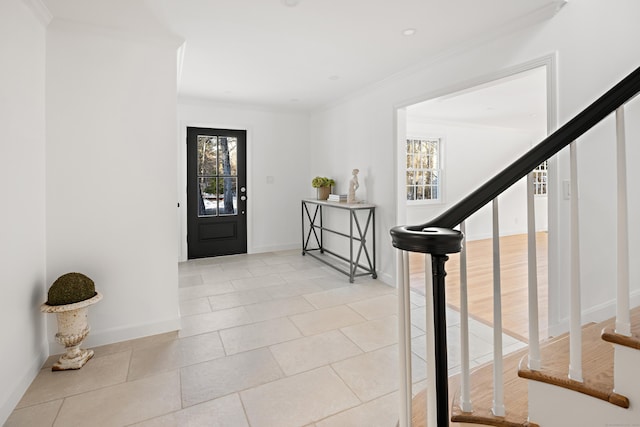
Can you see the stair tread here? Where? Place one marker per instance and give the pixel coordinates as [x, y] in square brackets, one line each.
[516, 401]
[610, 335]
[515, 396]
[597, 365]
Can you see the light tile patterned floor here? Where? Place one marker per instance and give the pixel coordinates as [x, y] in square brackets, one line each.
[273, 339]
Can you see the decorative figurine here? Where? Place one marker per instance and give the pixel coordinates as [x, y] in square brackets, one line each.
[353, 186]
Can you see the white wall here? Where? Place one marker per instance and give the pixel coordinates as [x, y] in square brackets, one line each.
[111, 186]
[22, 217]
[277, 169]
[362, 127]
[471, 155]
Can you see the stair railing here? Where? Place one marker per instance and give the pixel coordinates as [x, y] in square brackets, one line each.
[438, 238]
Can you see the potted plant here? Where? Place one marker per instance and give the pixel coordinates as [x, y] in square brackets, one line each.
[69, 298]
[323, 185]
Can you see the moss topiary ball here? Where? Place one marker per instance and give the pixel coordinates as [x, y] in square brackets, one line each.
[70, 288]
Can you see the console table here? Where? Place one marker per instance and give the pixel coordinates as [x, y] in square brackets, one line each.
[313, 241]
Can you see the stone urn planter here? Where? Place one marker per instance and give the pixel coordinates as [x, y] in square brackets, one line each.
[69, 298]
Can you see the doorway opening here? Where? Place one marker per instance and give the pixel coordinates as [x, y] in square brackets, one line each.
[480, 129]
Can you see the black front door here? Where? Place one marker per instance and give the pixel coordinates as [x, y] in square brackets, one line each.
[216, 192]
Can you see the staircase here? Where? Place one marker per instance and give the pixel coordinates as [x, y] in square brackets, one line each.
[612, 407]
[586, 377]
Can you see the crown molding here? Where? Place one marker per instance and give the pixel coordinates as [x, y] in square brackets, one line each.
[40, 11]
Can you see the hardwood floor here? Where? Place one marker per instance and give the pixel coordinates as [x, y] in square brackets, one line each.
[513, 272]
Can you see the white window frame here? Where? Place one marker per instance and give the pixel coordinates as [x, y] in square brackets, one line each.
[541, 180]
[440, 170]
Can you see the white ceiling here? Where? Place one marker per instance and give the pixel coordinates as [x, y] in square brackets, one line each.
[262, 52]
[518, 102]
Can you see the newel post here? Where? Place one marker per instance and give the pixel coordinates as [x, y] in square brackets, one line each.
[438, 242]
[440, 334]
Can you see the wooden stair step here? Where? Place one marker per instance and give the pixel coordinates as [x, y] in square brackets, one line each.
[597, 366]
[516, 398]
[610, 335]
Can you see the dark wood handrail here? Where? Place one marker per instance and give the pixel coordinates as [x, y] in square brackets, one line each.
[407, 237]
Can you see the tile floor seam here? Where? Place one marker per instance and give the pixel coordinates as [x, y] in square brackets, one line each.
[349, 338]
[310, 302]
[64, 398]
[58, 412]
[210, 306]
[312, 368]
[129, 366]
[294, 323]
[349, 409]
[330, 365]
[244, 409]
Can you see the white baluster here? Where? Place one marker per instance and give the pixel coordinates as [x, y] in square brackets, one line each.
[430, 327]
[404, 338]
[623, 317]
[534, 333]
[465, 381]
[575, 326]
[498, 383]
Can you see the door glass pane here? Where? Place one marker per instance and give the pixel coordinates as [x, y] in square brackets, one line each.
[207, 196]
[207, 155]
[228, 200]
[228, 160]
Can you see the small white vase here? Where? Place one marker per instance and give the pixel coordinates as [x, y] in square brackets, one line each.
[73, 328]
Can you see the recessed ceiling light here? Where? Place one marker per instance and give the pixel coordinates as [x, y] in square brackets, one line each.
[290, 3]
[334, 77]
[409, 32]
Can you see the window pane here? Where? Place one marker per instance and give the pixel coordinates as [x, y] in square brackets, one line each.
[207, 155]
[410, 178]
[227, 201]
[228, 160]
[411, 192]
[418, 178]
[207, 197]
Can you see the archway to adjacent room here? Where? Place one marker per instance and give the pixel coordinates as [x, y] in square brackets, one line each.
[450, 142]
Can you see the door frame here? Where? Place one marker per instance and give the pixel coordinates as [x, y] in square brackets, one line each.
[550, 62]
[182, 180]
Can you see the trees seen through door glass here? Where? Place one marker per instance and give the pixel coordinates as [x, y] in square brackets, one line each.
[217, 175]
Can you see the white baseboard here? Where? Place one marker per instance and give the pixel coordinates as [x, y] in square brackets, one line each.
[110, 336]
[275, 248]
[597, 313]
[21, 387]
[387, 279]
